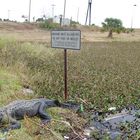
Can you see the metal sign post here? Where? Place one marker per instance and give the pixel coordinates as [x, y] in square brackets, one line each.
[65, 74]
[66, 39]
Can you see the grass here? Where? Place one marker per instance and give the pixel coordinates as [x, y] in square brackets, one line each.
[27, 32]
[11, 89]
[15, 74]
[102, 74]
[55, 130]
[107, 72]
[9, 85]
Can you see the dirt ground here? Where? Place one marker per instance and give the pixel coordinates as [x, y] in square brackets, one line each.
[31, 32]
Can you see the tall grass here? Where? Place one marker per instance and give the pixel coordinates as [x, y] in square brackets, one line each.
[103, 74]
[24, 65]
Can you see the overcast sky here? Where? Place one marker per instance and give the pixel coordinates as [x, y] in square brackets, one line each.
[122, 9]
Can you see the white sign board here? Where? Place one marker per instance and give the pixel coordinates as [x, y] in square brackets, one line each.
[66, 39]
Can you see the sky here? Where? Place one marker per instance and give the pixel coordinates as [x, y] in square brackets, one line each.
[101, 9]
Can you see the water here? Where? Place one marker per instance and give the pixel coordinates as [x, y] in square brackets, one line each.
[120, 123]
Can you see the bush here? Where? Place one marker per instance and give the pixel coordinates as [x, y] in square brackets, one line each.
[49, 25]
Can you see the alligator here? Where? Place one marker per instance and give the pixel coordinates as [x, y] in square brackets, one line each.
[16, 110]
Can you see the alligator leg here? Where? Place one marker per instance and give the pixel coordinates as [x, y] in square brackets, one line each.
[14, 124]
[45, 118]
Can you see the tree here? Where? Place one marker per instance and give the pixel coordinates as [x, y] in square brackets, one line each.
[112, 25]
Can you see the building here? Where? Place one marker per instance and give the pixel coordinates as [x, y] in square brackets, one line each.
[66, 21]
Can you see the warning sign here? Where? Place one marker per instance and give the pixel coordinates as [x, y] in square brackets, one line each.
[66, 39]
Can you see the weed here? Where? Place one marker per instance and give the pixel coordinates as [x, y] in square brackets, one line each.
[102, 74]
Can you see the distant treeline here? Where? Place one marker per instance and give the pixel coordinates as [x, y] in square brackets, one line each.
[7, 20]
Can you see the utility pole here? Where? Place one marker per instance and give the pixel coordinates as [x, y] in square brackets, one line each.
[9, 14]
[53, 10]
[132, 18]
[29, 17]
[78, 15]
[88, 12]
[64, 12]
[61, 19]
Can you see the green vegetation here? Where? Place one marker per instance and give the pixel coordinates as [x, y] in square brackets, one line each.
[48, 25]
[112, 25]
[18, 70]
[101, 75]
[107, 71]
[9, 85]
[11, 89]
